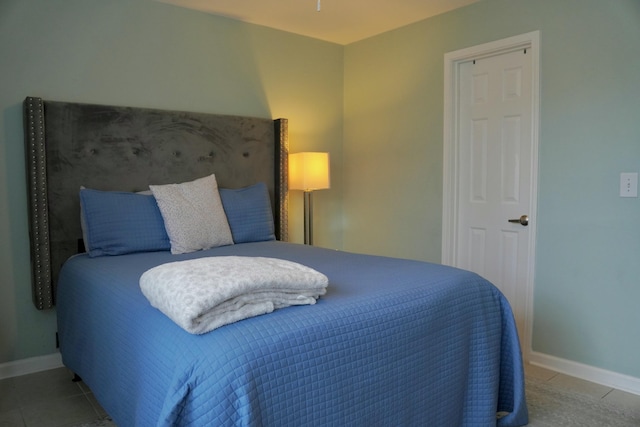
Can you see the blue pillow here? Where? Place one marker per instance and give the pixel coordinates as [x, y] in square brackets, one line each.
[117, 223]
[249, 213]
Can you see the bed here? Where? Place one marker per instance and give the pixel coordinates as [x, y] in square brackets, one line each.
[391, 342]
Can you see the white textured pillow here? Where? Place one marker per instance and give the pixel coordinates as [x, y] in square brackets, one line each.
[193, 215]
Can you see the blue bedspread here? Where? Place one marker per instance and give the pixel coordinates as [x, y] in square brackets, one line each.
[392, 343]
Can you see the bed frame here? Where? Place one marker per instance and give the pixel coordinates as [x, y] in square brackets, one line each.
[69, 145]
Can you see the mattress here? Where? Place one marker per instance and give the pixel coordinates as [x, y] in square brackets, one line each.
[392, 342]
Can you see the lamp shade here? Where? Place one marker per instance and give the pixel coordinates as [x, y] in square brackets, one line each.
[309, 171]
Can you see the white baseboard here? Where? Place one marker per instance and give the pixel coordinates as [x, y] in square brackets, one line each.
[30, 365]
[590, 373]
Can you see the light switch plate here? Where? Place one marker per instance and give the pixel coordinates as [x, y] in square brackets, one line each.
[629, 184]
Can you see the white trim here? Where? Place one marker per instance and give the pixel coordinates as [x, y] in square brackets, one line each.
[452, 61]
[30, 365]
[590, 373]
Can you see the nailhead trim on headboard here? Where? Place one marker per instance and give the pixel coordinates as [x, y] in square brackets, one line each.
[38, 209]
[282, 196]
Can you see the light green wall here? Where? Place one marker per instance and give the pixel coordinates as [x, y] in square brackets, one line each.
[587, 284]
[149, 54]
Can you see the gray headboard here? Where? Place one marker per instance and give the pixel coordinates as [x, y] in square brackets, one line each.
[69, 145]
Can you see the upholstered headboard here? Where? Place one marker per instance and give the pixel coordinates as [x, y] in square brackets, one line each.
[69, 145]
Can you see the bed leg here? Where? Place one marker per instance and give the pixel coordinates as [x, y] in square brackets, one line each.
[76, 378]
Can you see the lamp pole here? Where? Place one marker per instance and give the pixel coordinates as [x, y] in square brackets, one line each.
[308, 217]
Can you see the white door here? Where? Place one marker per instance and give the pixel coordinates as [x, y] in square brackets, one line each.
[496, 160]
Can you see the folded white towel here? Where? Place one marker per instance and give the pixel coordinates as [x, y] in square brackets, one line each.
[205, 293]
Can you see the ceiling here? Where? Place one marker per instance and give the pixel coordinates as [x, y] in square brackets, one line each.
[337, 21]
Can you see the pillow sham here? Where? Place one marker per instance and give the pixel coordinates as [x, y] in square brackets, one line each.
[118, 223]
[249, 213]
[193, 215]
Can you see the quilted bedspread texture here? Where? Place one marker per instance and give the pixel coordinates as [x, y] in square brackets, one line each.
[392, 343]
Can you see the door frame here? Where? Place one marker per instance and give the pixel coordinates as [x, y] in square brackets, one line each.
[450, 190]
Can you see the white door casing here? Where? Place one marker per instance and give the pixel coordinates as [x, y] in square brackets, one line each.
[490, 167]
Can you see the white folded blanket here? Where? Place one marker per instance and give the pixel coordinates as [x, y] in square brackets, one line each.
[205, 293]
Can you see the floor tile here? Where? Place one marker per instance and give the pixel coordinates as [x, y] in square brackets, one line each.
[59, 412]
[85, 389]
[8, 398]
[96, 406]
[629, 401]
[538, 372]
[42, 386]
[581, 386]
[11, 418]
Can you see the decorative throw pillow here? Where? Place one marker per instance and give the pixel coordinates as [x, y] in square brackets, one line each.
[117, 223]
[249, 213]
[193, 215]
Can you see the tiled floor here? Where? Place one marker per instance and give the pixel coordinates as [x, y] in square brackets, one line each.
[576, 385]
[51, 399]
[47, 399]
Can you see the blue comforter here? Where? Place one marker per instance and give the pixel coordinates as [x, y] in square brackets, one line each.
[392, 343]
